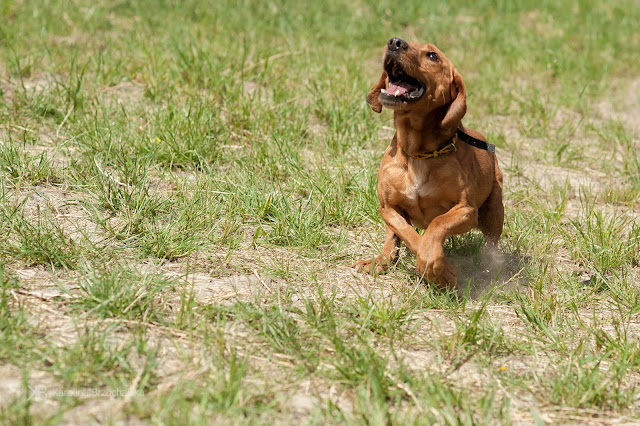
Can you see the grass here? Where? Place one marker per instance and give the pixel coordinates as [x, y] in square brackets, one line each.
[183, 186]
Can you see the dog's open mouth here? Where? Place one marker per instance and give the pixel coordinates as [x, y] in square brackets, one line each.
[402, 88]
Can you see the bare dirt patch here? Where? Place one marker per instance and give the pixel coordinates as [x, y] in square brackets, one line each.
[126, 93]
[34, 84]
[623, 105]
[65, 206]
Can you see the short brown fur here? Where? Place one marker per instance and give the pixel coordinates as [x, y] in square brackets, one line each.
[447, 195]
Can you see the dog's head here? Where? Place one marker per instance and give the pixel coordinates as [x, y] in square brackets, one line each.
[418, 77]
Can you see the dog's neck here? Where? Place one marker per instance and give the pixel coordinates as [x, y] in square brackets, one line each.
[421, 134]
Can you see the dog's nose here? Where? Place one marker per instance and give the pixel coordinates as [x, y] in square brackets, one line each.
[396, 43]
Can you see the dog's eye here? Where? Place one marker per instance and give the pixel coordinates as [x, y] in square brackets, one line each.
[433, 56]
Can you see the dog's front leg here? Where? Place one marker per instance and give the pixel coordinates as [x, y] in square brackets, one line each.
[401, 227]
[387, 256]
[396, 228]
[430, 258]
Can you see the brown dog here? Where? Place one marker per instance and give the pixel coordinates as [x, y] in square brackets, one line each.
[429, 177]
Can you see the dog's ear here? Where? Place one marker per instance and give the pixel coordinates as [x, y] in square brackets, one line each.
[458, 106]
[373, 98]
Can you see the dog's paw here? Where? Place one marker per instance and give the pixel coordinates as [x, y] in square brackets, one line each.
[440, 271]
[371, 266]
[445, 274]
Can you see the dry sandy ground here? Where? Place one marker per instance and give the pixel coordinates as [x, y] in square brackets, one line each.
[45, 293]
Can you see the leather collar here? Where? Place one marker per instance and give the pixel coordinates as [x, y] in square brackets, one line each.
[450, 146]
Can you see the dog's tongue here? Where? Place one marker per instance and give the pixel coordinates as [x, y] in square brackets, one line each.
[399, 88]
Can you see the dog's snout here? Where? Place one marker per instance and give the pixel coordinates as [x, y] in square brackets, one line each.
[396, 44]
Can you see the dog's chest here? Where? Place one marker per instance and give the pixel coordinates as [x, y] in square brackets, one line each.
[417, 186]
[424, 194]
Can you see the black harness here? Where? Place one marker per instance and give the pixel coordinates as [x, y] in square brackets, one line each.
[470, 140]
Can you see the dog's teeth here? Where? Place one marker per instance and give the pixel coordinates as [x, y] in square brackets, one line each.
[397, 92]
[384, 91]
